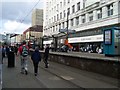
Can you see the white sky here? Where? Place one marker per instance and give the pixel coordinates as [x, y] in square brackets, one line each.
[12, 12]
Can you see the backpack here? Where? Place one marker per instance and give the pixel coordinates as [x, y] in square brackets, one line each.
[24, 51]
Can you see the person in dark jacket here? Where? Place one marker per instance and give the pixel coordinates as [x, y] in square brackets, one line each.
[36, 58]
[7, 50]
[46, 54]
[3, 53]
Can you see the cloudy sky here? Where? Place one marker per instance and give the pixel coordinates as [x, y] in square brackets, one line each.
[15, 15]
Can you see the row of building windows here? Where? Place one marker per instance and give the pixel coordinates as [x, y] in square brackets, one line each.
[62, 14]
[99, 14]
[76, 21]
[59, 5]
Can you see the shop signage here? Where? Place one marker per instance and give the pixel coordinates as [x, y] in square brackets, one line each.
[95, 38]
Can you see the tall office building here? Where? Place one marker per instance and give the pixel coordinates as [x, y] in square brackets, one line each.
[37, 17]
[86, 17]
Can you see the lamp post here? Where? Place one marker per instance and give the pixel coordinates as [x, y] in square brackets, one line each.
[67, 25]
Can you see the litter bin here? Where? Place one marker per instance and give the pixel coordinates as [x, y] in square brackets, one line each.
[11, 59]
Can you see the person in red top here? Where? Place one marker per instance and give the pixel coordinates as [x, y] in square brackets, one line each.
[23, 51]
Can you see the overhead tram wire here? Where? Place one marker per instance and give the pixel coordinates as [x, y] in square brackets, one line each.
[27, 14]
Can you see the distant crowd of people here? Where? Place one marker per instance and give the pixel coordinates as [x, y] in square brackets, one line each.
[88, 48]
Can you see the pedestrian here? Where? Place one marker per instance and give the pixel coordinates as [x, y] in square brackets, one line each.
[23, 52]
[7, 50]
[16, 49]
[36, 58]
[0, 54]
[3, 53]
[46, 54]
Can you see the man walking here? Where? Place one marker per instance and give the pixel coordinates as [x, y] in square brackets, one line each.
[23, 52]
[46, 54]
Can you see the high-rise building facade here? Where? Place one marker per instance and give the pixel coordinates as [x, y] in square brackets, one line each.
[86, 17]
[37, 17]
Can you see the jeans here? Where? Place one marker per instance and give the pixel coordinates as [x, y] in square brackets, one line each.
[24, 65]
[35, 66]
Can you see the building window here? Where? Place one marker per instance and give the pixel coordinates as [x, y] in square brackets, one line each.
[56, 28]
[73, 8]
[63, 25]
[110, 9]
[99, 13]
[67, 23]
[59, 26]
[68, 13]
[68, 1]
[77, 20]
[57, 6]
[53, 29]
[54, 18]
[83, 18]
[57, 16]
[55, 9]
[78, 6]
[60, 4]
[90, 16]
[64, 13]
[64, 2]
[72, 22]
[61, 15]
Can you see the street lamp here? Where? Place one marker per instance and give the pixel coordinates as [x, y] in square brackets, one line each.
[67, 25]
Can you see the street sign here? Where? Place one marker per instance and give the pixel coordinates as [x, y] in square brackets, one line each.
[62, 30]
[71, 31]
[65, 30]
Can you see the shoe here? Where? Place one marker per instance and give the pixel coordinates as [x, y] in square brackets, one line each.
[26, 72]
[35, 74]
[46, 66]
[22, 72]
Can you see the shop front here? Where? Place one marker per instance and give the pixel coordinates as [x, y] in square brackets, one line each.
[87, 43]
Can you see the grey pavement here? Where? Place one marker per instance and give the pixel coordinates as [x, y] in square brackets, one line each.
[82, 78]
[56, 76]
[12, 78]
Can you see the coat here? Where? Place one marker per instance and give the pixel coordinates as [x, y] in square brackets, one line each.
[36, 56]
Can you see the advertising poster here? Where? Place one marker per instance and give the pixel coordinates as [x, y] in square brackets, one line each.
[108, 37]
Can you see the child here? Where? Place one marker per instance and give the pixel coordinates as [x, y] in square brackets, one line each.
[36, 58]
